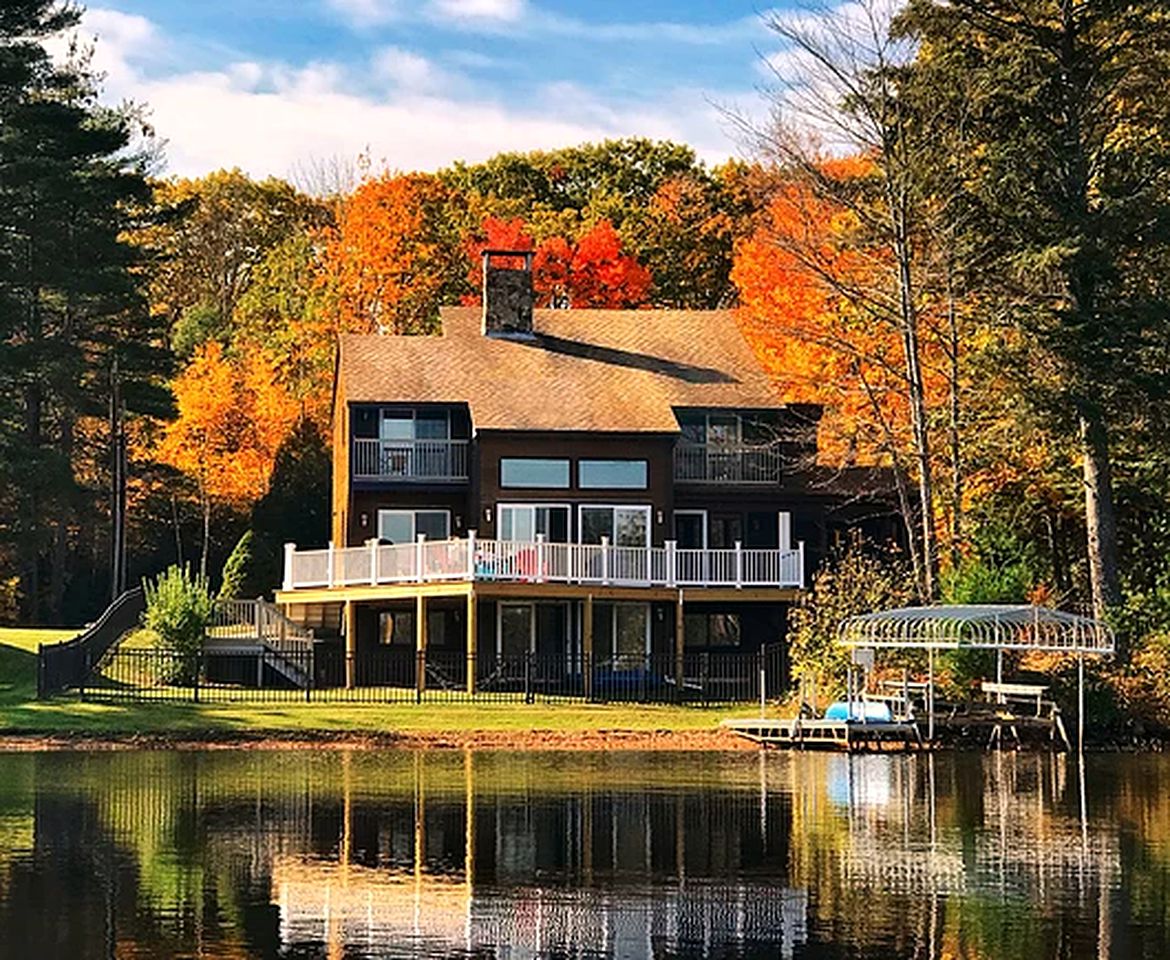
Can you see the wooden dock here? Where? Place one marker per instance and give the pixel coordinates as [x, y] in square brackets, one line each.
[800, 733]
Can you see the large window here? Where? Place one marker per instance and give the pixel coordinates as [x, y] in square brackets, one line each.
[702, 630]
[534, 472]
[415, 425]
[621, 635]
[523, 521]
[404, 526]
[612, 474]
[624, 526]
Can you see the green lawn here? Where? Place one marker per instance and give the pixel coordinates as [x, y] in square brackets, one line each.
[21, 712]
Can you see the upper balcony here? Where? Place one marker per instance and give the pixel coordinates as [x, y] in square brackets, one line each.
[727, 463]
[410, 461]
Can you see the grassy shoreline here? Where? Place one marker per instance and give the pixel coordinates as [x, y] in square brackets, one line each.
[68, 720]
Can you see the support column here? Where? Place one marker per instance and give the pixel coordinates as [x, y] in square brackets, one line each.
[679, 639]
[350, 644]
[587, 646]
[472, 639]
[420, 643]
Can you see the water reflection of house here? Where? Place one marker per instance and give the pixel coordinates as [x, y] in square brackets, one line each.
[622, 872]
[351, 905]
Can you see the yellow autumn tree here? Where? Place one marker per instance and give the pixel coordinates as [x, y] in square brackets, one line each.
[233, 415]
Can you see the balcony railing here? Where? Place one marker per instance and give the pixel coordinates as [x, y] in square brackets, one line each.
[726, 463]
[410, 461]
[541, 561]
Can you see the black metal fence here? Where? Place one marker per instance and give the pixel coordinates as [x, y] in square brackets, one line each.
[61, 666]
[396, 675]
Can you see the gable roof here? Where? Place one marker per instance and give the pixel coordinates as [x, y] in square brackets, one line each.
[589, 370]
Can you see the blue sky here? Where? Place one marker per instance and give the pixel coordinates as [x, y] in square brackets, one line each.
[274, 86]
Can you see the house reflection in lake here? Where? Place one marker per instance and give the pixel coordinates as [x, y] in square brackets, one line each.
[601, 870]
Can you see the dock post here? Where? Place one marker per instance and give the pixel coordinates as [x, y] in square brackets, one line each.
[472, 640]
[930, 695]
[587, 645]
[763, 685]
[350, 611]
[1081, 703]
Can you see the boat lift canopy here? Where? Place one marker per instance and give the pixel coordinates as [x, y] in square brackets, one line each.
[996, 627]
[978, 627]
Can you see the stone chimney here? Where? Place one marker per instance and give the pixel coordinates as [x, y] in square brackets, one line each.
[507, 293]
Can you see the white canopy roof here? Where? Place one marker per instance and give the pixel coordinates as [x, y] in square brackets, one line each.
[978, 626]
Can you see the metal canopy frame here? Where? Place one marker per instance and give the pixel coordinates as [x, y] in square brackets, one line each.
[996, 627]
[979, 627]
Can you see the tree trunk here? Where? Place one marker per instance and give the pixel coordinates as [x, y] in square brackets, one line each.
[1100, 523]
[206, 534]
[916, 390]
[956, 531]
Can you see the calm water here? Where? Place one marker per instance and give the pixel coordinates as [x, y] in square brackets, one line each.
[332, 854]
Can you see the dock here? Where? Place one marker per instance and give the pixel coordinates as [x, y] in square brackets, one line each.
[802, 733]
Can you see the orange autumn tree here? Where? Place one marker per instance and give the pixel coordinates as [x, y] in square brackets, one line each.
[394, 256]
[232, 418]
[590, 272]
[818, 308]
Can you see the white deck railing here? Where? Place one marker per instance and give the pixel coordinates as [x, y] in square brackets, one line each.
[541, 561]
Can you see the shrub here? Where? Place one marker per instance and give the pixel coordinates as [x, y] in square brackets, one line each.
[178, 609]
[857, 581]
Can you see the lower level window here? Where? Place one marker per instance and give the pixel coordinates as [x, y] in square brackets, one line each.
[621, 634]
[404, 526]
[701, 630]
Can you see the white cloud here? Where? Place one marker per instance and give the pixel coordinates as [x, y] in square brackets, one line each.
[268, 118]
[506, 10]
[365, 13]
[405, 70]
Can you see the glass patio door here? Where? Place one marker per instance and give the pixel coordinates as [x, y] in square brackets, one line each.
[625, 527]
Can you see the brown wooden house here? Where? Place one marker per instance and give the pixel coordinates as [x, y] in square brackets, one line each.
[598, 489]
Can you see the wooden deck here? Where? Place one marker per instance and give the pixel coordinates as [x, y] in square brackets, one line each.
[806, 734]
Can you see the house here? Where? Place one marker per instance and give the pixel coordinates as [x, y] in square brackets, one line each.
[596, 495]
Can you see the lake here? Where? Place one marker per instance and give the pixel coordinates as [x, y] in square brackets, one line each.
[331, 853]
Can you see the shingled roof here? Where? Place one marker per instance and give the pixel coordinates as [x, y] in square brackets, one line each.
[589, 370]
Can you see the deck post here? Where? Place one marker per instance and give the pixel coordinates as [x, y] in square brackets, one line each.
[679, 637]
[540, 558]
[671, 561]
[471, 556]
[472, 637]
[738, 564]
[420, 558]
[605, 560]
[350, 612]
[372, 543]
[420, 645]
[587, 645]
[289, 550]
[329, 562]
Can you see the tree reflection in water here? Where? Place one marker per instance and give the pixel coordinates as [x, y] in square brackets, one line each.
[333, 853]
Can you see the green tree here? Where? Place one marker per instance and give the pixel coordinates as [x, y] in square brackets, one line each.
[1064, 104]
[219, 228]
[72, 184]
